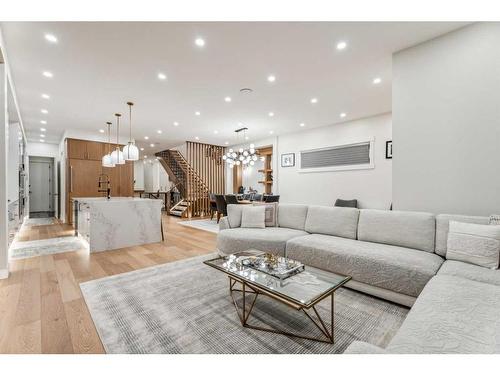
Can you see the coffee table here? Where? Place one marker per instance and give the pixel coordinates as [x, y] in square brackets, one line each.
[301, 292]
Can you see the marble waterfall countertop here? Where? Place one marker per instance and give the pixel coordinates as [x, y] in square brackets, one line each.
[118, 222]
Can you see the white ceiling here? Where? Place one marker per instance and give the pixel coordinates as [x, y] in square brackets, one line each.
[97, 67]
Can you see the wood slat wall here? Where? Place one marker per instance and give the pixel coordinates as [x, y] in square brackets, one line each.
[206, 161]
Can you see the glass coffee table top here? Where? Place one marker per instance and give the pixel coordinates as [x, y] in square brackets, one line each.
[303, 289]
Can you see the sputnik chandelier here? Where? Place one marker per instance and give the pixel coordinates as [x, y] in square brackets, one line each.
[242, 156]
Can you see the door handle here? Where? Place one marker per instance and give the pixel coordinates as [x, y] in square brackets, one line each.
[71, 179]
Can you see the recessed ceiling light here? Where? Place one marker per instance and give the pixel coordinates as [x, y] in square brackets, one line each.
[271, 114]
[162, 76]
[341, 45]
[42, 135]
[19, 138]
[43, 122]
[247, 138]
[377, 80]
[343, 115]
[142, 148]
[51, 38]
[226, 143]
[101, 130]
[302, 124]
[227, 99]
[44, 111]
[146, 137]
[45, 96]
[197, 113]
[159, 131]
[314, 100]
[42, 129]
[41, 140]
[176, 123]
[145, 156]
[216, 132]
[152, 145]
[271, 131]
[197, 138]
[48, 74]
[199, 42]
[271, 78]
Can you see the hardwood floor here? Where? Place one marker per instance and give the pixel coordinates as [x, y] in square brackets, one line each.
[41, 307]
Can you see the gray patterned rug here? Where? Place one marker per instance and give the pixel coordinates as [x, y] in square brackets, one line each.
[28, 249]
[203, 224]
[184, 307]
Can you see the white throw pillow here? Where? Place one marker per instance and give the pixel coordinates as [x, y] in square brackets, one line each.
[271, 213]
[253, 217]
[474, 243]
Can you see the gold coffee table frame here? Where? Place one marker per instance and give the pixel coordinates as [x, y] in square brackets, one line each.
[309, 309]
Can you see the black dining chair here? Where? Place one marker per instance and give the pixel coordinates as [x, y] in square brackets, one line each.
[256, 197]
[231, 199]
[213, 205]
[271, 198]
[221, 206]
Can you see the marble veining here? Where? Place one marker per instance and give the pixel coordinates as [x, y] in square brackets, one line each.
[119, 222]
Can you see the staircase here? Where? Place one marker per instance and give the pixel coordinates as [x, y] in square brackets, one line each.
[193, 190]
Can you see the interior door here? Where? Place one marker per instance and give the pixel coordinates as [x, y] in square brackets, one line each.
[40, 183]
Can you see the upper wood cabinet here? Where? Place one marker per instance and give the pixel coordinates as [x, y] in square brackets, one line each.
[85, 150]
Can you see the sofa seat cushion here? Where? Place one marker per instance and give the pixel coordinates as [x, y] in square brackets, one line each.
[270, 239]
[394, 268]
[451, 315]
[470, 271]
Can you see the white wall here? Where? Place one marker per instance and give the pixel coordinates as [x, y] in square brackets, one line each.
[372, 187]
[138, 175]
[155, 177]
[446, 115]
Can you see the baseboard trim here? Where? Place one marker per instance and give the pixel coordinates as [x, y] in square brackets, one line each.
[4, 274]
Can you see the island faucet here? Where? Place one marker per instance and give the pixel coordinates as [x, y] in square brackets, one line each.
[104, 181]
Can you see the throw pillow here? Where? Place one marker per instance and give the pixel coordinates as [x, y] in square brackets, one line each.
[494, 219]
[474, 243]
[253, 217]
[271, 213]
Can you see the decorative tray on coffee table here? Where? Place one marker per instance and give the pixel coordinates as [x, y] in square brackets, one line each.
[274, 265]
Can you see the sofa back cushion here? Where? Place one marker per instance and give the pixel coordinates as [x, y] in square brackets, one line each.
[292, 216]
[442, 227]
[415, 230]
[234, 215]
[477, 244]
[335, 221]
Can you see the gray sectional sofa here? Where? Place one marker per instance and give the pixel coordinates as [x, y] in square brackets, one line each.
[395, 255]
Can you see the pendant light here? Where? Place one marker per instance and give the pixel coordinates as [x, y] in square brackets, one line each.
[117, 155]
[107, 161]
[130, 151]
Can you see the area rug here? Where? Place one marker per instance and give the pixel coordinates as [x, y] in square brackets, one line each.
[28, 249]
[204, 224]
[31, 222]
[184, 307]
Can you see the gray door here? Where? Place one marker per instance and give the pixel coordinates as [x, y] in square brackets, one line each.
[40, 187]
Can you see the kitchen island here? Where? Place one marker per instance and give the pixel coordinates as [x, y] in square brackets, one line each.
[107, 224]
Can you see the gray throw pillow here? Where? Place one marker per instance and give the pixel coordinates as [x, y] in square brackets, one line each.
[474, 243]
[253, 217]
[271, 213]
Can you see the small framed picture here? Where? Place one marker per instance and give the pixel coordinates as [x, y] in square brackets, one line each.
[288, 160]
[388, 150]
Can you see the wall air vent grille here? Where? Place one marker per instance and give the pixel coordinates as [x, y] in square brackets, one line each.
[339, 156]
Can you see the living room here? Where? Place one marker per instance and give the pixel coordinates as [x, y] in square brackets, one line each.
[178, 186]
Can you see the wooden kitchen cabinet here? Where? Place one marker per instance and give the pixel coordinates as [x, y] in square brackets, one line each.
[86, 150]
[84, 165]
